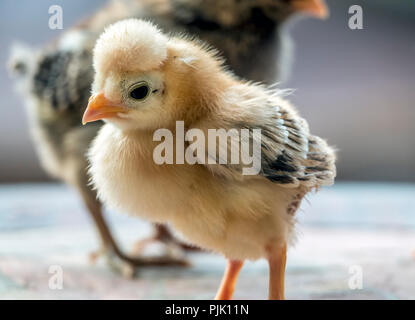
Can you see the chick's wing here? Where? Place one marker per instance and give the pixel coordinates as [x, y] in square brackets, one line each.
[286, 151]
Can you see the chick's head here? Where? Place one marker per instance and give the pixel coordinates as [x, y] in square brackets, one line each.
[147, 80]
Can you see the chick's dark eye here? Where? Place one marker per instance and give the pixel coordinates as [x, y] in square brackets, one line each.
[140, 92]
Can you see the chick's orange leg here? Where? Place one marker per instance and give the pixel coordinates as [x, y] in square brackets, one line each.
[277, 258]
[229, 280]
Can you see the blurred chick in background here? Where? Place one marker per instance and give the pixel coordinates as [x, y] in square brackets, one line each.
[146, 81]
[56, 81]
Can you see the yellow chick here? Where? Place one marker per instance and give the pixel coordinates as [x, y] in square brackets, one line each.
[147, 85]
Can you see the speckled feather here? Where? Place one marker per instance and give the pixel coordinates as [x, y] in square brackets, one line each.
[290, 154]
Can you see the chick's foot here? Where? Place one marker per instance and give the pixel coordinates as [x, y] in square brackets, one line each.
[164, 242]
[114, 261]
[128, 266]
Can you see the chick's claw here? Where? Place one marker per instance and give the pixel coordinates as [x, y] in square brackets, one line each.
[162, 236]
[163, 247]
[114, 261]
[128, 266]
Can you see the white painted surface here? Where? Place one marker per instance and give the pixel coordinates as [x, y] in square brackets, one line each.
[368, 225]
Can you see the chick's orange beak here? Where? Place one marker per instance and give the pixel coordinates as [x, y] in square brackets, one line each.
[315, 8]
[99, 107]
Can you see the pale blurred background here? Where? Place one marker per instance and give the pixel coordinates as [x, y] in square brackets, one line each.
[355, 87]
